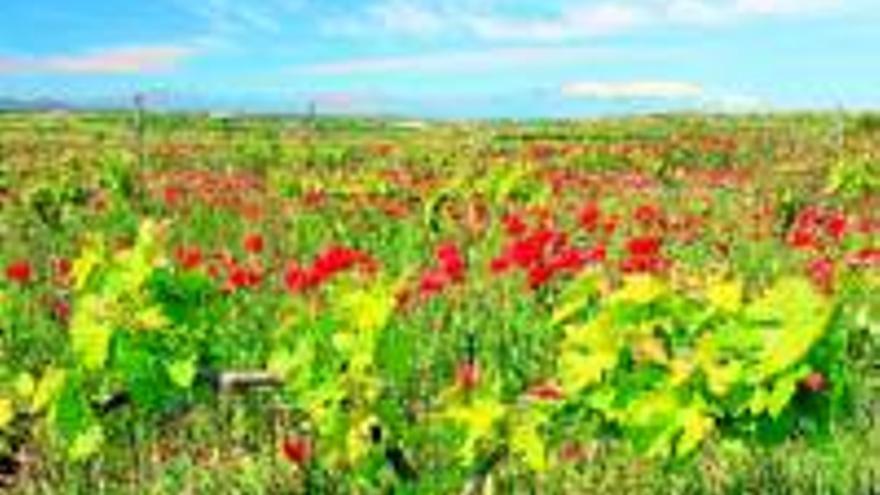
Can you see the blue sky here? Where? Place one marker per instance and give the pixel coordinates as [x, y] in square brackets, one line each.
[446, 58]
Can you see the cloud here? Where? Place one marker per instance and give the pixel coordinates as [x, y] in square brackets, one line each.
[573, 20]
[119, 60]
[457, 62]
[778, 7]
[632, 90]
[572, 23]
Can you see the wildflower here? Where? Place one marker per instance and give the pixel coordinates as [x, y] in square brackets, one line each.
[546, 392]
[467, 375]
[297, 450]
[19, 272]
[188, 258]
[815, 382]
[253, 243]
[451, 261]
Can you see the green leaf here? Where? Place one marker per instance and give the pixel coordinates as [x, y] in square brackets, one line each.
[7, 412]
[526, 441]
[90, 335]
[182, 372]
[802, 316]
[575, 296]
[47, 389]
[87, 443]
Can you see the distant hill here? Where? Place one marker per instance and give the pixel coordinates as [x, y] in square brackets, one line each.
[36, 104]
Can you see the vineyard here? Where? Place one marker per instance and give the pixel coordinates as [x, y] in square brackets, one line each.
[209, 304]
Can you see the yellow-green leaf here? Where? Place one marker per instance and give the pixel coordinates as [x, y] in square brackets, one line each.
[7, 412]
[182, 372]
[48, 388]
[87, 443]
[726, 295]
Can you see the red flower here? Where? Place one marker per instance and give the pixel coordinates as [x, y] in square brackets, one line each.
[298, 279]
[336, 259]
[821, 271]
[514, 225]
[815, 383]
[297, 450]
[539, 275]
[546, 392]
[451, 261]
[647, 214]
[467, 375]
[172, 195]
[432, 282]
[589, 217]
[61, 310]
[253, 243]
[865, 258]
[643, 247]
[803, 238]
[188, 258]
[835, 226]
[19, 272]
[61, 267]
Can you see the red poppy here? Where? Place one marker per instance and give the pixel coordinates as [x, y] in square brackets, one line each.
[546, 392]
[643, 247]
[188, 258]
[298, 450]
[589, 217]
[451, 261]
[467, 375]
[61, 267]
[253, 243]
[19, 272]
[514, 225]
[865, 258]
[821, 271]
[298, 279]
[815, 383]
[432, 282]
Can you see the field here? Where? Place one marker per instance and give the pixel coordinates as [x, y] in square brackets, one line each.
[216, 304]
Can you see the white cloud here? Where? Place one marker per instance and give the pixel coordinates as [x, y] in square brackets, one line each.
[632, 90]
[117, 60]
[572, 23]
[576, 19]
[457, 62]
[777, 7]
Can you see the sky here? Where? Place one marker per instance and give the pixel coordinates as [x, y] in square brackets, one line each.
[446, 58]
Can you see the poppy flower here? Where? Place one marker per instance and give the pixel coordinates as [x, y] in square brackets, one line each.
[821, 272]
[467, 375]
[514, 225]
[253, 243]
[451, 261]
[815, 383]
[546, 392]
[298, 279]
[589, 217]
[297, 450]
[61, 267]
[432, 282]
[19, 272]
[188, 258]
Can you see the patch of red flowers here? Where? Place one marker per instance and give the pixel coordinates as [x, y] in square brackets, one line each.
[449, 268]
[333, 260]
[644, 255]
